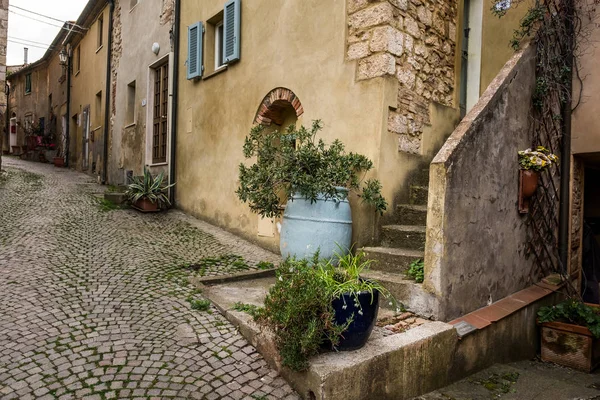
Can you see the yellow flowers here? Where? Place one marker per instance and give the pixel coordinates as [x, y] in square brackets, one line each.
[537, 160]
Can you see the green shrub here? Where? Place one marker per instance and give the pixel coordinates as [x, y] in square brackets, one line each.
[296, 162]
[299, 307]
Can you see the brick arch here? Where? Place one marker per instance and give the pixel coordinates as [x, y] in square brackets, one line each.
[271, 107]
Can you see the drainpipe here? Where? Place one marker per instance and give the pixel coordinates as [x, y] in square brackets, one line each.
[174, 99]
[107, 96]
[68, 122]
[565, 166]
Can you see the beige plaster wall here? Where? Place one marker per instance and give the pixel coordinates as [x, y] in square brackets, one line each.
[277, 50]
[585, 119]
[85, 84]
[34, 103]
[497, 33]
[138, 28]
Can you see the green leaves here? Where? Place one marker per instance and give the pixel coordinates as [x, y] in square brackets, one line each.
[416, 271]
[148, 187]
[296, 162]
[575, 312]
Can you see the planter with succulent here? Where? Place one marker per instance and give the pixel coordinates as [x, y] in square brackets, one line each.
[570, 334]
[531, 163]
[314, 179]
[148, 193]
[316, 305]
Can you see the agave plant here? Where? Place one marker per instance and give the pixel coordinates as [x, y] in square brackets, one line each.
[148, 187]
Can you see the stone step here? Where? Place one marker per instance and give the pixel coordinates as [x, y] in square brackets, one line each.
[410, 214]
[418, 195]
[420, 177]
[389, 259]
[407, 292]
[403, 236]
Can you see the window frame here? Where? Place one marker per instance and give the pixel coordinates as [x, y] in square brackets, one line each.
[77, 59]
[219, 55]
[28, 83]
[100, 28]
[160, 114]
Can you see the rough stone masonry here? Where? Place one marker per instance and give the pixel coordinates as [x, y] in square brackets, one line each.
[413, 40]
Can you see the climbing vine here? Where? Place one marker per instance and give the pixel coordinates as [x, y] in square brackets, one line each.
[555, 28]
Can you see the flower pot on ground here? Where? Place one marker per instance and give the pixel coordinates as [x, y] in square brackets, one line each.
[314, 179]
[148, 193]
[531, 163]
[58, 161]
[570, 334]
[316, 304]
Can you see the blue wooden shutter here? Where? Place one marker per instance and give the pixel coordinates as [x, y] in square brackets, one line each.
[194, 61]
[231, 31]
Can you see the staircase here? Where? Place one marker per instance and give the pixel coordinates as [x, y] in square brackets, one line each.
[402, 242]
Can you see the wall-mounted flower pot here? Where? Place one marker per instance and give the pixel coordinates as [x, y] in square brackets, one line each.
[569, 345]
[145, 205]
[528, 184]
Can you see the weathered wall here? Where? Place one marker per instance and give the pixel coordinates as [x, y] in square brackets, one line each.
[34, 103]
[586, 93]
[86, 83]
[476, 239]
[135, 31]
[215, 114]
[3, 45]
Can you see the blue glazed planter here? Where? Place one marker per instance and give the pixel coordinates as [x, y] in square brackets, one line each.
[325, 225]
[362, 325]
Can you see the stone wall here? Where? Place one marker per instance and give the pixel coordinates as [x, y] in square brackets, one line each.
[117, 50]
[576, 202]
[476, 239]
[3, 99]
[414, 41]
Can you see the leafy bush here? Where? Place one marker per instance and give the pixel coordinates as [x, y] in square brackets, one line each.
[574, 312]
[296, 162]
[416, 271]
[299, 307]
[148, 187]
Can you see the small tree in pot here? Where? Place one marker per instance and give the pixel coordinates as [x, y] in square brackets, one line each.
[314, 179]
[148, 193]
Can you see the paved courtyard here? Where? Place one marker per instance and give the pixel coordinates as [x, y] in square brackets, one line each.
[95, 302]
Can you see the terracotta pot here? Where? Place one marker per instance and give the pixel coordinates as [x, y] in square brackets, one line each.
[146, 205]
[569, 345]
[58, 161]
[529, 182]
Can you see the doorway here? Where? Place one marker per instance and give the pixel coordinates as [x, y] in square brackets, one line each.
[85, 161]
[13, 134]
[470, 71]
[590, 256]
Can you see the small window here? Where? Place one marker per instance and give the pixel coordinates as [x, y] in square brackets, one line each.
[100, 31]
[78, 59]
[132, 4]
[27, 83]
[219, 45]
[130, 111]
[98, 107]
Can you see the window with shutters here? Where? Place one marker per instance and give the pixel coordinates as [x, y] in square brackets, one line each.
[214, 59]
[231, 31]
[160, 114]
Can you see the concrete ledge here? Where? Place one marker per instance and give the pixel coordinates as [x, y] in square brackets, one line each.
[399, 366]
[239, 276]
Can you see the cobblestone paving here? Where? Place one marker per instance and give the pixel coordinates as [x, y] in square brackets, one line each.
[94, 304]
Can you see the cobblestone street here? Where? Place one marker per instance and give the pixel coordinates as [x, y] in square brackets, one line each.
[95, 302]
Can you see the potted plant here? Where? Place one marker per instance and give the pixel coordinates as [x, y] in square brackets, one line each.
[314, 179]
[570, 333]
[147, 193]
[315, 304]
[531, 162]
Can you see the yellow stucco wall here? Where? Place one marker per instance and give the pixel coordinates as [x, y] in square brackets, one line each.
[311, 63]
[586, 94]
[86, 83]
[497, 33]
